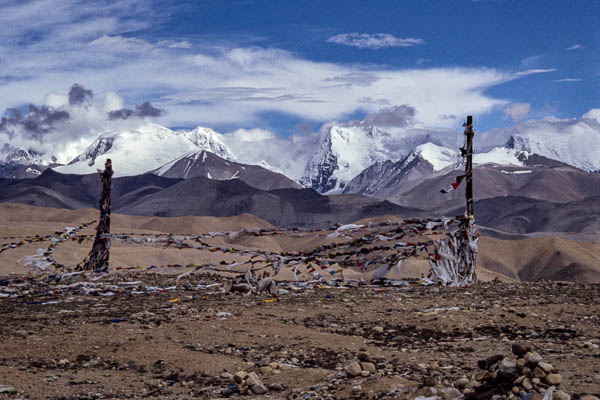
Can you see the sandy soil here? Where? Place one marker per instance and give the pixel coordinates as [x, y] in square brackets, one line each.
[140, 333]
[178, 343]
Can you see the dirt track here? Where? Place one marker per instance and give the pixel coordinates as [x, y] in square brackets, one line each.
[175, 344]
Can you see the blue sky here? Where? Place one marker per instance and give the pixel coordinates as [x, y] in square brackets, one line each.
[276, 65]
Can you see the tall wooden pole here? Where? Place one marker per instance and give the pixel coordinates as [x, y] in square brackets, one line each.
[469, 133]
[97, 259]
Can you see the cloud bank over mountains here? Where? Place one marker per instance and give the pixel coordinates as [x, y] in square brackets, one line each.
[68, 122]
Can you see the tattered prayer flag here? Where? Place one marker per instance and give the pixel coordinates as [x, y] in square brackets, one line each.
[454, 185]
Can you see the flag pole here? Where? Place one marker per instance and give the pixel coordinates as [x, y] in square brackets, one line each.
[469, 133]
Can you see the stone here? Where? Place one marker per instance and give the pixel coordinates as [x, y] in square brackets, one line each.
[560, 395]
[507, 367]
[546, 367]
[240, 288]
[255, 384]
[276, 387]
[461, 382]
[527, 384]
[364, 374]
[266, 370]
[519, 349]
[264, 284]
[532, 359]
[259, 389]
[226, 375]
[516, 390]
[356, 389]
[450, 393]
[378, 329]
[588, 397]
[490, 361]
[553, 379]
[483, 376]
[364, 356]
[4, 389]
[240, 376]
[367, 366]
[539, 372]
[353, 369]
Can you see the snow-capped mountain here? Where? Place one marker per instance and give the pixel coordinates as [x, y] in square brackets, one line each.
[210, 165]
[427, 162]
[207, 139]
[20, 163]
[345, 151]
[143, 149]
[575, 142]
[389, 179]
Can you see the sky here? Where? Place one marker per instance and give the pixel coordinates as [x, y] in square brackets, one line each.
[289, 67]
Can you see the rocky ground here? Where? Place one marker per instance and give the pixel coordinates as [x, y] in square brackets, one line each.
[136, 335]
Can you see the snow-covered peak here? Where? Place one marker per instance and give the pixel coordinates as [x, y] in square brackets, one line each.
[26, 157]
[501, 156]
[132, 151]
[344, 152]
[207, 139]
[572, 141]
[439, 157]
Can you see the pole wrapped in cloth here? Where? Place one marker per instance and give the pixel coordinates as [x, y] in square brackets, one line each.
[453, 263]
[98, 258]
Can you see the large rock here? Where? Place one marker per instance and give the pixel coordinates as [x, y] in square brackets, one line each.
[553, 379]
[521, 348]
[532, 359]
[353, 369]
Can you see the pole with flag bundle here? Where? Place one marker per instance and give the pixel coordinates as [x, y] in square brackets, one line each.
[454, 260]
[97, 259]
[468, 153]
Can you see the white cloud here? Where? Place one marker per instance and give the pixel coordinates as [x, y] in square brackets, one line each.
[373, 41]
[575, 47]
[594, 113]
[184, 44]
[262, 147]
[517, 111]
[121, 44]
[62, 129]
[568, 80]
[113, 102]
[535, 71]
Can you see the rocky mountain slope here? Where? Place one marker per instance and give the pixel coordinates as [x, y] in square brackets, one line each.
[560, 184]
[207, 164]
[387, 179]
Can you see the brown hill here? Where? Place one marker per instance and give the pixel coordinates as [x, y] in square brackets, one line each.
[553, 184]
